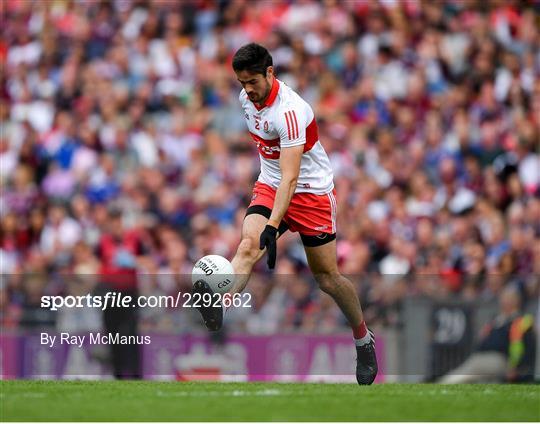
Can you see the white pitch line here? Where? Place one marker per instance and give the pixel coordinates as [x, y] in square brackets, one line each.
[266, 392]
[34, 395]
[234, 393]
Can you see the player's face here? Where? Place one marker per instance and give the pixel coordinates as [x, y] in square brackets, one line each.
[257, 86]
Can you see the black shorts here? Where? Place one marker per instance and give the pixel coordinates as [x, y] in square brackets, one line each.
[307, 240]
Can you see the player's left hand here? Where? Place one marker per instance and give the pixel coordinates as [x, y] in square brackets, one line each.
[268, 240]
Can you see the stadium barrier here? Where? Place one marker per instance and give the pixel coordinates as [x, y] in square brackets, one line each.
[430, 339]
[280, 357]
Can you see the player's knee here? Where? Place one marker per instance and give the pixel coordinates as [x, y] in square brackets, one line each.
[248, 250]
[328, 281]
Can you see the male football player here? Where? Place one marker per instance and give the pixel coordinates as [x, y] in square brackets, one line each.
[294, 191]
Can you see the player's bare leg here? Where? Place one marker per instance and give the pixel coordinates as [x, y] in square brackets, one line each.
[322, 261]
[247, 255]
[248, 252]
[323, 264]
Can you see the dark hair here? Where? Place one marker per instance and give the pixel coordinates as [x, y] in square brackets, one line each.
[253, 58]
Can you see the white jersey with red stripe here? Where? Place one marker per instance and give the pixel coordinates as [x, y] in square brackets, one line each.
[287, 120]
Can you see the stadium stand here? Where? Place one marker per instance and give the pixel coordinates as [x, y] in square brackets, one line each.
[430, 113]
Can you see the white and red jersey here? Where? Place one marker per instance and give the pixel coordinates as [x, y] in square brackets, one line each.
[286, 120]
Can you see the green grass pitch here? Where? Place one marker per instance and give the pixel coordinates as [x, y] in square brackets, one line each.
[172, 401]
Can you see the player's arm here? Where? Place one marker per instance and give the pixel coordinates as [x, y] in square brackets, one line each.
[289, 163]
[290, 124]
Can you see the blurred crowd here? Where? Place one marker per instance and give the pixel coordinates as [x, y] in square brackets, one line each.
[123, 147]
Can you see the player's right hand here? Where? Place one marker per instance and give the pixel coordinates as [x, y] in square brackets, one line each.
[268, 240]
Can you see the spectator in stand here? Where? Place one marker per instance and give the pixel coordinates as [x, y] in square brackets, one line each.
[507, 348]
[301, 310]
[118, 251]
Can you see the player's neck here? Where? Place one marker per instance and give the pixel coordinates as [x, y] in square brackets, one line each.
[263, 102]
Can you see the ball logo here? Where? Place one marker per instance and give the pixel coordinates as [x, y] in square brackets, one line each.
[224, 283]
[205, 268]
[216, 271]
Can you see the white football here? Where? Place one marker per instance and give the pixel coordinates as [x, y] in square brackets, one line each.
[215, 270]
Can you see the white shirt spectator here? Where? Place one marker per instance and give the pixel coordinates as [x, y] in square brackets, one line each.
[84, 159]
[28, 53]
[64, 235]
[145, 146]
[529, 172]
[39, 113]
[8, 163]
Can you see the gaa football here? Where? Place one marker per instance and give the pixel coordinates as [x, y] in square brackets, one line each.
[215, 270]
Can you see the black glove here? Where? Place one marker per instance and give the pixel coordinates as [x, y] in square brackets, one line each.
[268, 240]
